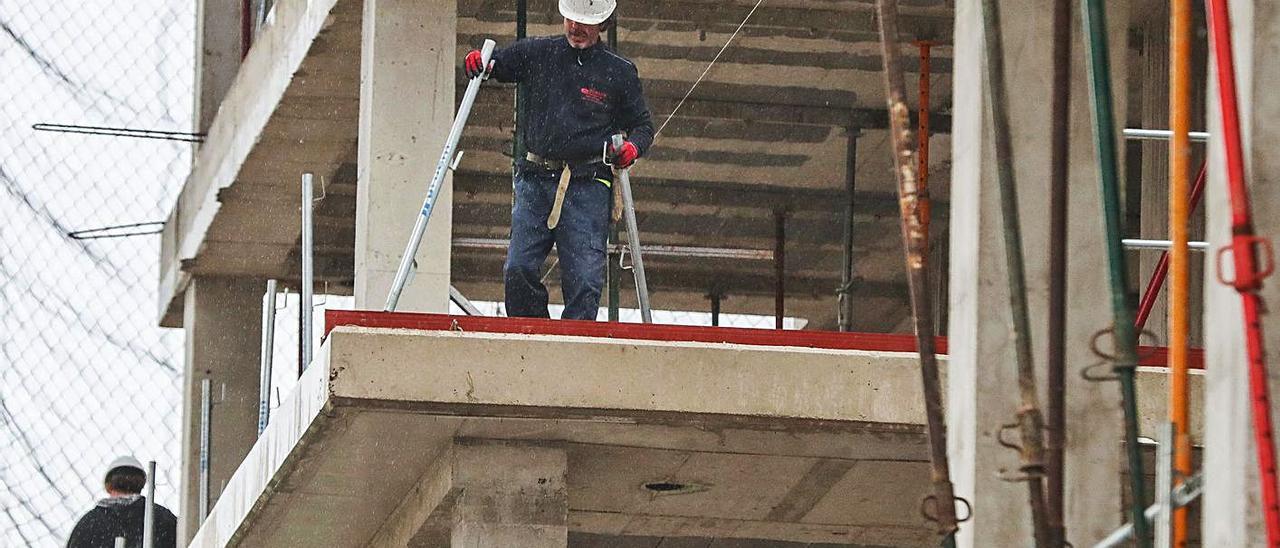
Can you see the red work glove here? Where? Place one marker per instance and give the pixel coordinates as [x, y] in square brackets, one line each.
[474, 64]
[622, 159]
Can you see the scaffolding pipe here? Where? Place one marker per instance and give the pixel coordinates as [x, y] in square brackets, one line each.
[1152, 292]
[1134, 134]
[149, 513]
[1179, 263]
[206, 415]
[1181, 496]
[305, 311]
[844, 297]
[463, 302]
[633, 237]
[1059, 162]
[1249, 273]
[1030, 422]
[922, 153]
[268, 345]
[446, 162]
[1124, 338]
[1165, 455]
[1141, 244]
[915, 257]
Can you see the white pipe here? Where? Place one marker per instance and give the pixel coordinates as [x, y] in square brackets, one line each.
[1164, 486]
[149, 515]
[268, 345]
[633, 238]
[308, 270]
[437, 181]
[206, 409]
[1161, 135]
[1135, 243]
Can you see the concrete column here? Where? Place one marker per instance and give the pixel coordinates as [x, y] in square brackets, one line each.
[512, 495]
[222, 320]
[406, 108]
[218, 53]
[485, 493]
[982, 391]
[1232, 513]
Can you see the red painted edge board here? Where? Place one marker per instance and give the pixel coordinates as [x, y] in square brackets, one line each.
[875, 342]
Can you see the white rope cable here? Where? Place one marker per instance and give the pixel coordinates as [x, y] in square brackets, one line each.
[707, 70]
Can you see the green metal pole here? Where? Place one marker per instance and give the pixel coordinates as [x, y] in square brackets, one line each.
[1123, 333]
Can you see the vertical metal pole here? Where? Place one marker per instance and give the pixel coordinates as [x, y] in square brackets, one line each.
[1124, 337]
[268, 345]
[915, 258]
[1164, 487]
[1059, 164]
[308, 271]
[922, 155]
[780, 266]
[844, 297]
[715, 295]
[120, 543]
[206, 411]
[1180, 266]
[615, 276]
[149, 515]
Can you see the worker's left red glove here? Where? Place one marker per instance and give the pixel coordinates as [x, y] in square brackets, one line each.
[622, 159]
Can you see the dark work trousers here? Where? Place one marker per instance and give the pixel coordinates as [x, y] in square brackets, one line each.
[580, 239]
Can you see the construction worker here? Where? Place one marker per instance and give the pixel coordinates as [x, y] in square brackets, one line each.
[577, 93]
[121, 514]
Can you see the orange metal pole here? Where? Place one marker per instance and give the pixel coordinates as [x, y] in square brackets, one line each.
[923, 155]
[1179, 271]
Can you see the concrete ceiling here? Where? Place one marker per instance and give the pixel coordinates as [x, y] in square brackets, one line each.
[765, 131]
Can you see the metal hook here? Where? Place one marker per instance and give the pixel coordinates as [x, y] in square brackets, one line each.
[622, 258]
[453, 166]
[1000, 436]
[1088, 375]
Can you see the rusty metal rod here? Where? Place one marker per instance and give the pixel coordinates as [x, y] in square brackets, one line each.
[780, 266]
[1030, 420]
[916, 254]
[1059, 162]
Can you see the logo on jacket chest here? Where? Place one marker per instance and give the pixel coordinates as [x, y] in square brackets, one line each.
[594, 95]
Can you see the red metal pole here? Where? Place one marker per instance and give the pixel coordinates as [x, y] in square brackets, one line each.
[1248, 279]
[1162, 268]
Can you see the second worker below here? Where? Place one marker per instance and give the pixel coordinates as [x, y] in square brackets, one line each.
[577, 93]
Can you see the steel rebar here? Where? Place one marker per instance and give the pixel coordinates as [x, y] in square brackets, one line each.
[206, 416]
[1124, 337]
[844, 297]
[916, 256]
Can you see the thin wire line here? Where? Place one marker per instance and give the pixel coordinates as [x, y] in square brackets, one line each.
[707, 70]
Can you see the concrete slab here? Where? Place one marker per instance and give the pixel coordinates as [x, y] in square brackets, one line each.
[781, 443]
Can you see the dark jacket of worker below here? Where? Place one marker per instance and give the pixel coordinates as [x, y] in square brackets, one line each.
[575, 100]
[122, 517]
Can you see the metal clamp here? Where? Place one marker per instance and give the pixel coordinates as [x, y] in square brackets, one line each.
[1251, 280]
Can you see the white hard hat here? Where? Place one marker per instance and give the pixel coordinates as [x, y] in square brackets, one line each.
[587, 12]
[126, 461]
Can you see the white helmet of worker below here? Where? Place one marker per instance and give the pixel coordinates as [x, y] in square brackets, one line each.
[125, 461]
[587, 12]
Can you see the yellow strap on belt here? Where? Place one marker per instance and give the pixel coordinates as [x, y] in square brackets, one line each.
[554, 218]
[606, 182]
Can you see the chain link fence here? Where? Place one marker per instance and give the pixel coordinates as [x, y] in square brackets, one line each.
[85, 373]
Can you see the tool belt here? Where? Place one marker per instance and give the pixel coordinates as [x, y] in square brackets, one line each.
[558, 165]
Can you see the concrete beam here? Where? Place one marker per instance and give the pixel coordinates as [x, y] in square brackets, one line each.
[1232, 508]
[406, 110]
[245, 110]
[218, 52]
[983, 390]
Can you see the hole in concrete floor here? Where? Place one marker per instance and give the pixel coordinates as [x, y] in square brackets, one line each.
[666, 487]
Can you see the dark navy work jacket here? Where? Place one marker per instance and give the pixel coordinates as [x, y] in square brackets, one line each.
[575, 100]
